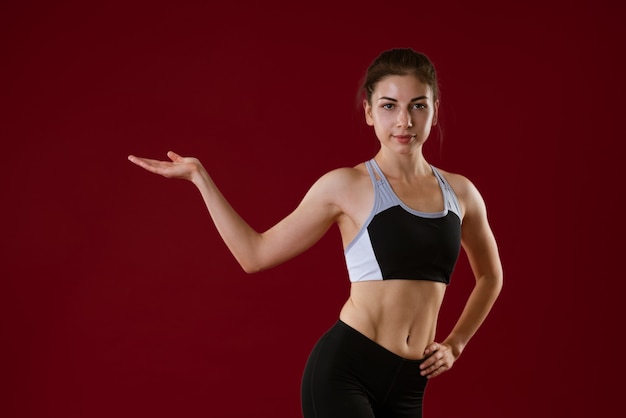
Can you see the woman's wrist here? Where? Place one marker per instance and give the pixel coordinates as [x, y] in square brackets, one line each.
[199, 175]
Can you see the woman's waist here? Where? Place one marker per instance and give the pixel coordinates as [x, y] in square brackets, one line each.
[403, 330]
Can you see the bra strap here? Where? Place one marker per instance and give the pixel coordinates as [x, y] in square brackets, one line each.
[379, 172]
[370, 170]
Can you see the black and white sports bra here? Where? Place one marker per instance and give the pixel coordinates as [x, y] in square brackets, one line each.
[397, 242]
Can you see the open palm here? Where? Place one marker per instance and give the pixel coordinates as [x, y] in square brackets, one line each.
[179, 167]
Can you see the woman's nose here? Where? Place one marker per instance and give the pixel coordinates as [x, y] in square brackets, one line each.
[404, 119]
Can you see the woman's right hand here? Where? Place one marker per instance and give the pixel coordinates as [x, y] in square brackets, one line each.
[179, 167]
[305, 225]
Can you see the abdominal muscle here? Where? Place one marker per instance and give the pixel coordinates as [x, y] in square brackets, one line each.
[399, 315]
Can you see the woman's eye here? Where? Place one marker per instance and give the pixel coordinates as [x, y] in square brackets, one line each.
[420, 106]
[388, 106]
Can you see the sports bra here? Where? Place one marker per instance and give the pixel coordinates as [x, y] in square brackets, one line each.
[397, 242]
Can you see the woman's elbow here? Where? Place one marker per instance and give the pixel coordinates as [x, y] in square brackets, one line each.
[250, 269]
[256, 262]
[253, 267]
[497, 282]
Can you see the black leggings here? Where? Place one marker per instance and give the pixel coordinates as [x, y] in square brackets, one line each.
[348, 375]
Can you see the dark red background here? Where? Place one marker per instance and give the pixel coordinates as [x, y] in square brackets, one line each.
[118, 297]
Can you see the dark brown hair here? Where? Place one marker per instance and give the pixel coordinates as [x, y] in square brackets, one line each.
[400, 61]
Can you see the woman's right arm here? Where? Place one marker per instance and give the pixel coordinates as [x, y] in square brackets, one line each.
[256, 251]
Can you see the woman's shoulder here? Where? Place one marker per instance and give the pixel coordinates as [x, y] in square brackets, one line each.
[464, 188]
[342, 183]
[459, 182]
[346, 176]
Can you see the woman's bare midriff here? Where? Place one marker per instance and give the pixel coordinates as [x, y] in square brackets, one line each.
[400, 315]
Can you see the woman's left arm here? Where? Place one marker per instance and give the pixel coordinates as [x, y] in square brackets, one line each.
[480, 246]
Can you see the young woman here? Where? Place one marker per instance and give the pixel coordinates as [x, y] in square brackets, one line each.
[402, 223]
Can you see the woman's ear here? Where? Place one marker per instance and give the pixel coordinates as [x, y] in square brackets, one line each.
[368, 113]
[436, 115]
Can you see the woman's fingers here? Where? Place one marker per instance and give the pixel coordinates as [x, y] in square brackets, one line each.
[439, 360]
[178, 167]
[173, 156]
[153, 166]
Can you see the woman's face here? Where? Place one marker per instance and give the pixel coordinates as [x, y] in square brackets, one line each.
[402, 112]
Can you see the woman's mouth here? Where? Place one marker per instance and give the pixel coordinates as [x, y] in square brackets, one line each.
[403, 139]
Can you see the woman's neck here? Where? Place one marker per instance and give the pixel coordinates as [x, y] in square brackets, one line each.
[406, 166]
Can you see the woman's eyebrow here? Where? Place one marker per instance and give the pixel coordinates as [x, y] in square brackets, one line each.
[395, 100]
